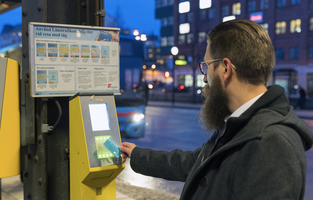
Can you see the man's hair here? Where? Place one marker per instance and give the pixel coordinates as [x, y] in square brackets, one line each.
[248, 46]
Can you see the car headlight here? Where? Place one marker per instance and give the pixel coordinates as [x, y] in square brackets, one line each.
[138, 117]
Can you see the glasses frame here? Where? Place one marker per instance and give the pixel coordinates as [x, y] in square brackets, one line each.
[207, 63]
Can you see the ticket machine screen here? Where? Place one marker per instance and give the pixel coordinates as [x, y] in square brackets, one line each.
[99, 117]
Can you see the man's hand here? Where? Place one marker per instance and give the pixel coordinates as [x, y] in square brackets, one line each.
[127, 149]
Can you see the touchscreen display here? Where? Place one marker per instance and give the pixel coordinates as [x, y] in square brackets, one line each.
[99, 117]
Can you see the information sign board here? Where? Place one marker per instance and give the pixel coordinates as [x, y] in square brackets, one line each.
[67, 59]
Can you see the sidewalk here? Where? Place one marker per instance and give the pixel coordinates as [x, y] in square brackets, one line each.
[303, 114]
[12, 189]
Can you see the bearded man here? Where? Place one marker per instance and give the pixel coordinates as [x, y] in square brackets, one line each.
[258, 148]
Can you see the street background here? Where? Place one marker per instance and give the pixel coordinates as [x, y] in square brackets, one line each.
[167, 128]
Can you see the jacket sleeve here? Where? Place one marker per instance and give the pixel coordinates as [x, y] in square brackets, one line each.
[271, 168]
[174, 165]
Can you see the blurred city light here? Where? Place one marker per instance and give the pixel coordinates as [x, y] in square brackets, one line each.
[166, 74]
[163, 90]
[137, 37]
[228, 18]
[184, 28]
[134, 85]
[143, 37]
[78, 34]
[153, 66]
[198, 91]
[144, 67]
[174, 51]
[136, 33]
[184, 7]
[296, 87]
[180, 62]
[203, 4]
[150, 86]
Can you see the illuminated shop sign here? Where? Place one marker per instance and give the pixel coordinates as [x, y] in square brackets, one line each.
[257, 17]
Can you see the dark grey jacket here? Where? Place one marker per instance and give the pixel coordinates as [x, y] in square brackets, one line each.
[260, 156]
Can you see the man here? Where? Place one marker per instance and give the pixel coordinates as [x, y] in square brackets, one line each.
[258, 148]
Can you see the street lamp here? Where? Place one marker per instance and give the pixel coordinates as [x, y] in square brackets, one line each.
[153, 66]
[174, 52]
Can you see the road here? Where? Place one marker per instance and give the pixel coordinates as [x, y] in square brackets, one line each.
[172, 128]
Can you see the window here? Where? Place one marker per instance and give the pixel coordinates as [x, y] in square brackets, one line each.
[281, 3]
[263, 4]
[201, 37]
[311, 52]
[294, 53]
[190, 38]
[280, 28]
[170, 21]
[182, 18]
[158, 3]
[200, 82]
[309, 79]
[311, 24]
[225, 11]
[295, 26]
[265, 26]
[202, 15]
[294, 2]
[164, 21]
[163, 41]
[181, 39]
[236, 9]
[280, 54]
[190, 17]
[251, 6]
[170, 41]
[188, 80]
[211, 13]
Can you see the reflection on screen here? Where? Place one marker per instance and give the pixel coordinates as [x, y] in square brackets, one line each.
[99, 117]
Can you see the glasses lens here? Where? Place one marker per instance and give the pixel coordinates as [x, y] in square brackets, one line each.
[204, 68]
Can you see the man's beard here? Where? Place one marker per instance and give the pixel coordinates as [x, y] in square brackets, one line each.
[215, 106]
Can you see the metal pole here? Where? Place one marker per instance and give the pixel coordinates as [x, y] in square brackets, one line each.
[0, 189]
[173, 75]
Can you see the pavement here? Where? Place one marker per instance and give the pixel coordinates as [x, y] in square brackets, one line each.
[12, 187]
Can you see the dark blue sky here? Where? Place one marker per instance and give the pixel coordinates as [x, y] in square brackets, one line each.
[136, 14]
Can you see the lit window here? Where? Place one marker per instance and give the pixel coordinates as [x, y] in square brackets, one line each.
[294, 53]
[294, 2]
[263, 4]
[188, 80]
[150, 55]
[236, 9]
[251, 6]
[212, 13]
[280, 28]
[163, 41]
[203, 4]
[280, 54]
[202, 14]
[190, 17]
[181, 39]
[190, 38]
[184, 28]
[281, 3]
[181, 18]
[311, 24]
[228, 18]
[201, 37]
[200, 82]
[225, 11]
[184, 7]
[295, 26]
[265, 26]
[170, 41]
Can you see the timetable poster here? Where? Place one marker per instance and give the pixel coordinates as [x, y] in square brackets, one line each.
[69, 59]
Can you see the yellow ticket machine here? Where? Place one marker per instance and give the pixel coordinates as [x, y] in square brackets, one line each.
[9, 118]
[93, 164]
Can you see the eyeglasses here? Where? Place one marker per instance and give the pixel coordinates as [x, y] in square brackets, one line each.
[205, 65]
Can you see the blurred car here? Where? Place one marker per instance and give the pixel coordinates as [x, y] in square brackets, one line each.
[130, 107]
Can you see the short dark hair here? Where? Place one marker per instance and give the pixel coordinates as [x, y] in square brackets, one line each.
[248, 46]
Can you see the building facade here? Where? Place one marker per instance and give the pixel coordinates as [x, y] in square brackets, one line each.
[289, 24]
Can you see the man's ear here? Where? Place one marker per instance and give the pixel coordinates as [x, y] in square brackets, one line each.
[227, 73]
